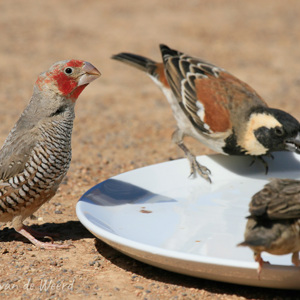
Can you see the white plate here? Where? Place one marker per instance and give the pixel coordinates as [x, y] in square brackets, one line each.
[160, 216]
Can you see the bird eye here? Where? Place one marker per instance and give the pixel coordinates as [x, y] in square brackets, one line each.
[279, 131]
[68, 70]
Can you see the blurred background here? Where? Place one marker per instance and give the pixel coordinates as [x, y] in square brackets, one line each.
[123, 120]
[124, 111]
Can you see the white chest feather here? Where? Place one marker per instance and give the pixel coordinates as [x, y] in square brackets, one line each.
[213, 141]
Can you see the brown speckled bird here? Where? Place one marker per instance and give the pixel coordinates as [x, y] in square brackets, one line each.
[36, 154]
[274, 222]
[217, 109]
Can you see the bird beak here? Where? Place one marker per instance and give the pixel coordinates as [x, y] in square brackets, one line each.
[293, 145]
[90, 73]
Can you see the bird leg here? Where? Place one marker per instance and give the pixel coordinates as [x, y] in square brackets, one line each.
[40, 234]
[260, 158]
[258, 258]
[295, 259]
[261, 262]
[41, 245]
[194, 164]
[204, 172]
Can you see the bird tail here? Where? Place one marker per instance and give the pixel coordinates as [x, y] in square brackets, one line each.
[167, 52]
[243, 244]
[258, 237]
[140, 62]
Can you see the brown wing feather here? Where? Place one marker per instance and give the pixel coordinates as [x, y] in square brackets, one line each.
[198, 84]
[279, 199]
[15, 153]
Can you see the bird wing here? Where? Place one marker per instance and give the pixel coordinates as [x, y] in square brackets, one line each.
[279, 199]
[264, 234]
[206, 93]
[14, 155]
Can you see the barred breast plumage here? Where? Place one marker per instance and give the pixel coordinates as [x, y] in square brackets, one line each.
[36, 155]
[44, 170]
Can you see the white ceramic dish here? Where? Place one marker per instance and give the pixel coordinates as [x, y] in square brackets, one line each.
[160, 216]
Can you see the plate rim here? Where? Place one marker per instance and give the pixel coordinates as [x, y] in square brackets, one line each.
[113, 238]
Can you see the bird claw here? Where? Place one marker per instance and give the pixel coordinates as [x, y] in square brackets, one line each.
[261, 262]
[195, 166]
[42, 245]
[50, 238]
[39, 234]
[53, 246]
[295, 259]
[263, 161]
[203, 171]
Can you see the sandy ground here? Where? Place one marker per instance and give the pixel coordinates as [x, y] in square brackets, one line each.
[124, 122]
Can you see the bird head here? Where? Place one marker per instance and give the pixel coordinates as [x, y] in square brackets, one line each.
[56, 91]
[270, 130]
[67, 78]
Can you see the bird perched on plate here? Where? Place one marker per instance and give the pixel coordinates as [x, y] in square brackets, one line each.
[217, 109]
[274, 222]
[36, 154]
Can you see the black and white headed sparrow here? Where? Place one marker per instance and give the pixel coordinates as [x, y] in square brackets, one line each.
[217, 109]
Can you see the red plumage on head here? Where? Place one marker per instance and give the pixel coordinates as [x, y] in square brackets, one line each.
[67, 85]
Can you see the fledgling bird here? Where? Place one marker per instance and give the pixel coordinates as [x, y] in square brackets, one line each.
[217, 109]
[274, 222]
[36, 154]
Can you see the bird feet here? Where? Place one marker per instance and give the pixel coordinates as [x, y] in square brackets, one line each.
[260, 158]
[39, 234]
[203, 171]
[196, 167]
[295, 259]
[261, 262]
[27, 233]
